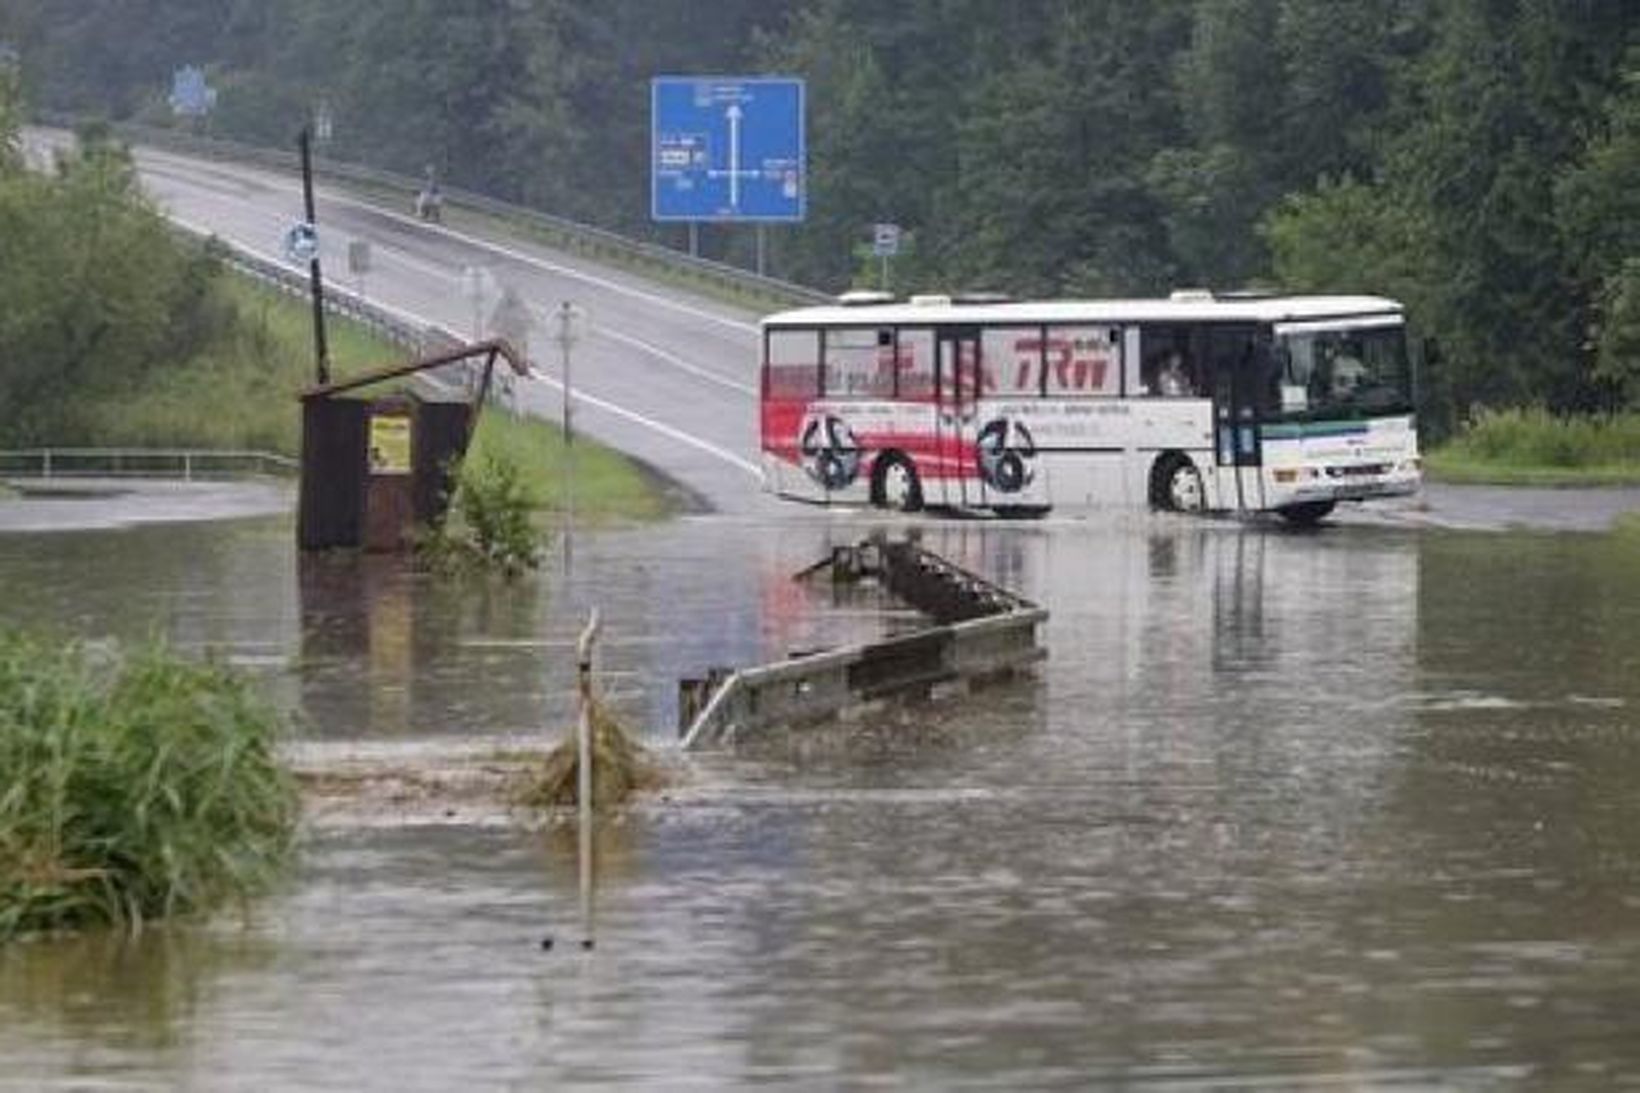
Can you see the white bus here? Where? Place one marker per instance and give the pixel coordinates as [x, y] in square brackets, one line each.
[1195, 403]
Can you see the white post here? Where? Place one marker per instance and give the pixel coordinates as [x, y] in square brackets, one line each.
[568, 318]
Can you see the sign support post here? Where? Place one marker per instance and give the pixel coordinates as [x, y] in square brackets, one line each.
[321, 352]
[885, 244]
[727, 149]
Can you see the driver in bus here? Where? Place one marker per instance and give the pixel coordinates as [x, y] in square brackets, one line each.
[1347, 372]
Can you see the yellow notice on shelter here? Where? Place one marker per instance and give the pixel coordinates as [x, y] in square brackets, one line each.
[390, 444]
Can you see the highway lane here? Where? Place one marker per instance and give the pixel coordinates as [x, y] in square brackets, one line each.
[664, 375]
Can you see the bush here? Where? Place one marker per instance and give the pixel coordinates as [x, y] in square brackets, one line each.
[132, 786]
[493, 529]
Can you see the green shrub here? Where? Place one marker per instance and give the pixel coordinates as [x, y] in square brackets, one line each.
[492, 527]
[132, 785]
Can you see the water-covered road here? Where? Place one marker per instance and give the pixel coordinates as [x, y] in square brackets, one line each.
[1352, 808]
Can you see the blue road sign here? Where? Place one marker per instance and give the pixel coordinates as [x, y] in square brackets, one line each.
[190, 97]
[726, 148]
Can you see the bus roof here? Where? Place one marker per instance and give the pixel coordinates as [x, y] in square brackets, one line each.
[1181, 308]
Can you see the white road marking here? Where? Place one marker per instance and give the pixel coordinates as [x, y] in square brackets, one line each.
[331, 195]
[622, 412]
[658, 426]
[395, 254]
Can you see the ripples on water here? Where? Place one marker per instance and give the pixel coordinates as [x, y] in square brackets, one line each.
[1352, 808]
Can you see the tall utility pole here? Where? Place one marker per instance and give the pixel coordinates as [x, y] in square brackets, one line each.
[321, 353]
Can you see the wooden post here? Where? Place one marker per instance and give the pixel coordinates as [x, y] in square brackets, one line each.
[583, 784]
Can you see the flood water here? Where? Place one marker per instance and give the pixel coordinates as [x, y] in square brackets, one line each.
[1353, 808]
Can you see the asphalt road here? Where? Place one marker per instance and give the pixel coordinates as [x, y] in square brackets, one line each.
[665, 376]
[661, 374]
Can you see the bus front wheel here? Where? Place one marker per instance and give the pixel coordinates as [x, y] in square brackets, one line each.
[895, 485]
[1306, 513]
[1176, 485]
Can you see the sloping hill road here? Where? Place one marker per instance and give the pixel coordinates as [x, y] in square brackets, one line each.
[668, 377]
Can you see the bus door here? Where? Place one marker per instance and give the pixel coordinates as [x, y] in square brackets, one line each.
[1232, 355]
[957, 388]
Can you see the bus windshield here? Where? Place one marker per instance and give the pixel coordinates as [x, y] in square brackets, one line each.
[1341, 373]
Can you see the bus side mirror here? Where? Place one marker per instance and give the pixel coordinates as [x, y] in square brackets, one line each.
[1431, 351]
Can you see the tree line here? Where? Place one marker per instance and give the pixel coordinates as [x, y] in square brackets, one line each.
[1478, 159]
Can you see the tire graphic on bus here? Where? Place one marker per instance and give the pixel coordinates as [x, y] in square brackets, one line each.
[831, 456]
[1007, 455]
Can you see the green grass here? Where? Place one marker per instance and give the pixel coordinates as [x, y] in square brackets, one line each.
[240, 392]
[1534, 447]
[607, 485]
[133, 785]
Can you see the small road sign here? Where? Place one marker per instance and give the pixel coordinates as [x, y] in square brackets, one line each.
[190, 96]
[885, 240]
[301, 242]
[358, 257]
[727, 148]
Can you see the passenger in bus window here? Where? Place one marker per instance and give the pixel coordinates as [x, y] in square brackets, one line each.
[1172, 381]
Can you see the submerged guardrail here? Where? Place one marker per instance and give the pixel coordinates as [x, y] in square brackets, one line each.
[980, 632]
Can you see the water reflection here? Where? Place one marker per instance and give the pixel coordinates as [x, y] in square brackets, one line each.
[1347, 808]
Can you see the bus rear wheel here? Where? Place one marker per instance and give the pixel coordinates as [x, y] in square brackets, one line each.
[1305, 514]
[894, 484]
[1176, 485]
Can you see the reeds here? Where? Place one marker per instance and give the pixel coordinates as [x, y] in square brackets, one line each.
[133, 785]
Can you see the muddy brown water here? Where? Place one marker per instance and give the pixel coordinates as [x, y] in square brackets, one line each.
[1353, 808]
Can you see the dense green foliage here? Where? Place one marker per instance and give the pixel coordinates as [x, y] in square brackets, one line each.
[238, 390]
[97, 293]
[132, 786]
[1478, 158]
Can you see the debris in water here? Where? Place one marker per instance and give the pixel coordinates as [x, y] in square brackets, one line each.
[620, 767]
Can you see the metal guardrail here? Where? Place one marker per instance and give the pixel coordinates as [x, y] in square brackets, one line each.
[398, 327]
[186, 464]
[598, 244]
[981, 632]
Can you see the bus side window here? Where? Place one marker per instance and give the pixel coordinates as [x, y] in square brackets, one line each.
[914, 361]
[1012, 360]
[793, 366]
[1083, 360]
[1169, 369]
[856, 364]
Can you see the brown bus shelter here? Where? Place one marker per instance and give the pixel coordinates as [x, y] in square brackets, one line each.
[373, 470]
